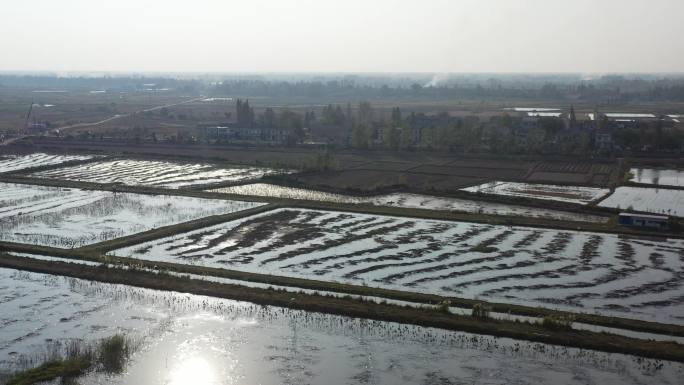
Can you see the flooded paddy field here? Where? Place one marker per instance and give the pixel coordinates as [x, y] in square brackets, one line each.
[409, 201]
[570, 270]
[10, 163]
[570, 194]
[652, 200]
[655, 176]
[156, 173]
[68, 217]
[183, 338]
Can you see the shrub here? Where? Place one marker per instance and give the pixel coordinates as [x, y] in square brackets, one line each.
[51, 370]
[484, 249]
[443, 307]
[481, 311]
[558, 322]
[113, 353]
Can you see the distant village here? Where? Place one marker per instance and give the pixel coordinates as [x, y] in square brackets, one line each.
[513, 130]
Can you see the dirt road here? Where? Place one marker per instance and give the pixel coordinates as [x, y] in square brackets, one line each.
[89, 124]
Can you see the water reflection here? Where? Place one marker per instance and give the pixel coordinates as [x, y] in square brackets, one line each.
[193, 370]
[196, 340]
[654, 176]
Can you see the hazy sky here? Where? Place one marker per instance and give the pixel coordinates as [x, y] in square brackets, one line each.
[343, 36]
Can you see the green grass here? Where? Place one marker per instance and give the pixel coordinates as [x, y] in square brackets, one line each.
[113, 353]
[484, 249]
[481, 311]
[71, 367]
[110, 357]
[557, 322]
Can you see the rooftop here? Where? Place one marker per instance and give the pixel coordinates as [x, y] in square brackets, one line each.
[645, 216]
[618, 115]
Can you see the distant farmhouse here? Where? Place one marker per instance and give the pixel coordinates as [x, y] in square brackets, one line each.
[233, 132]
[597, 129]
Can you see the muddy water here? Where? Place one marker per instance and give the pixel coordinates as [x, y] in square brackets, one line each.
[193, 339]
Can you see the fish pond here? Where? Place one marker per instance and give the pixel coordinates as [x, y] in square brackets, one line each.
[570, 194]
[652, 200]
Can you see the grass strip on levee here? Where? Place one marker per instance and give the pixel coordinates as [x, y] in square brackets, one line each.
[427, 317]
[342, 288]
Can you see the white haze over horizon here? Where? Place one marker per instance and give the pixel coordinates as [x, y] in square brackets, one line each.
[579, 36]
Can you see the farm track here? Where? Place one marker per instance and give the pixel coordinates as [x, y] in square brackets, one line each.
[99, 122]
[357, 308]
[334, 287]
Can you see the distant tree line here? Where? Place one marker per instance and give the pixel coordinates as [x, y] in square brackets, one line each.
[605, 89]
[361, 128]
[612, 90]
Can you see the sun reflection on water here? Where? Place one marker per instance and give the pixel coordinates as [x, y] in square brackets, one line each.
[194, 370]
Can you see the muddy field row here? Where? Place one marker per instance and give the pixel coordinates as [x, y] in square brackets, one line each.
[578, 271]
[156, 173]
[183, 338]
[9, 163]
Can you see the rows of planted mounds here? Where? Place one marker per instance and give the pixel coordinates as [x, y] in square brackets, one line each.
[13, 163]
[579, 271]
[156, 173]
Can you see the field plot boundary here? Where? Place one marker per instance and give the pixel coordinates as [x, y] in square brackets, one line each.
[461, 193]
[346, 288]
[608, 228]
[115, 187]
[170, 230]
[427, 317]
[652, 186]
